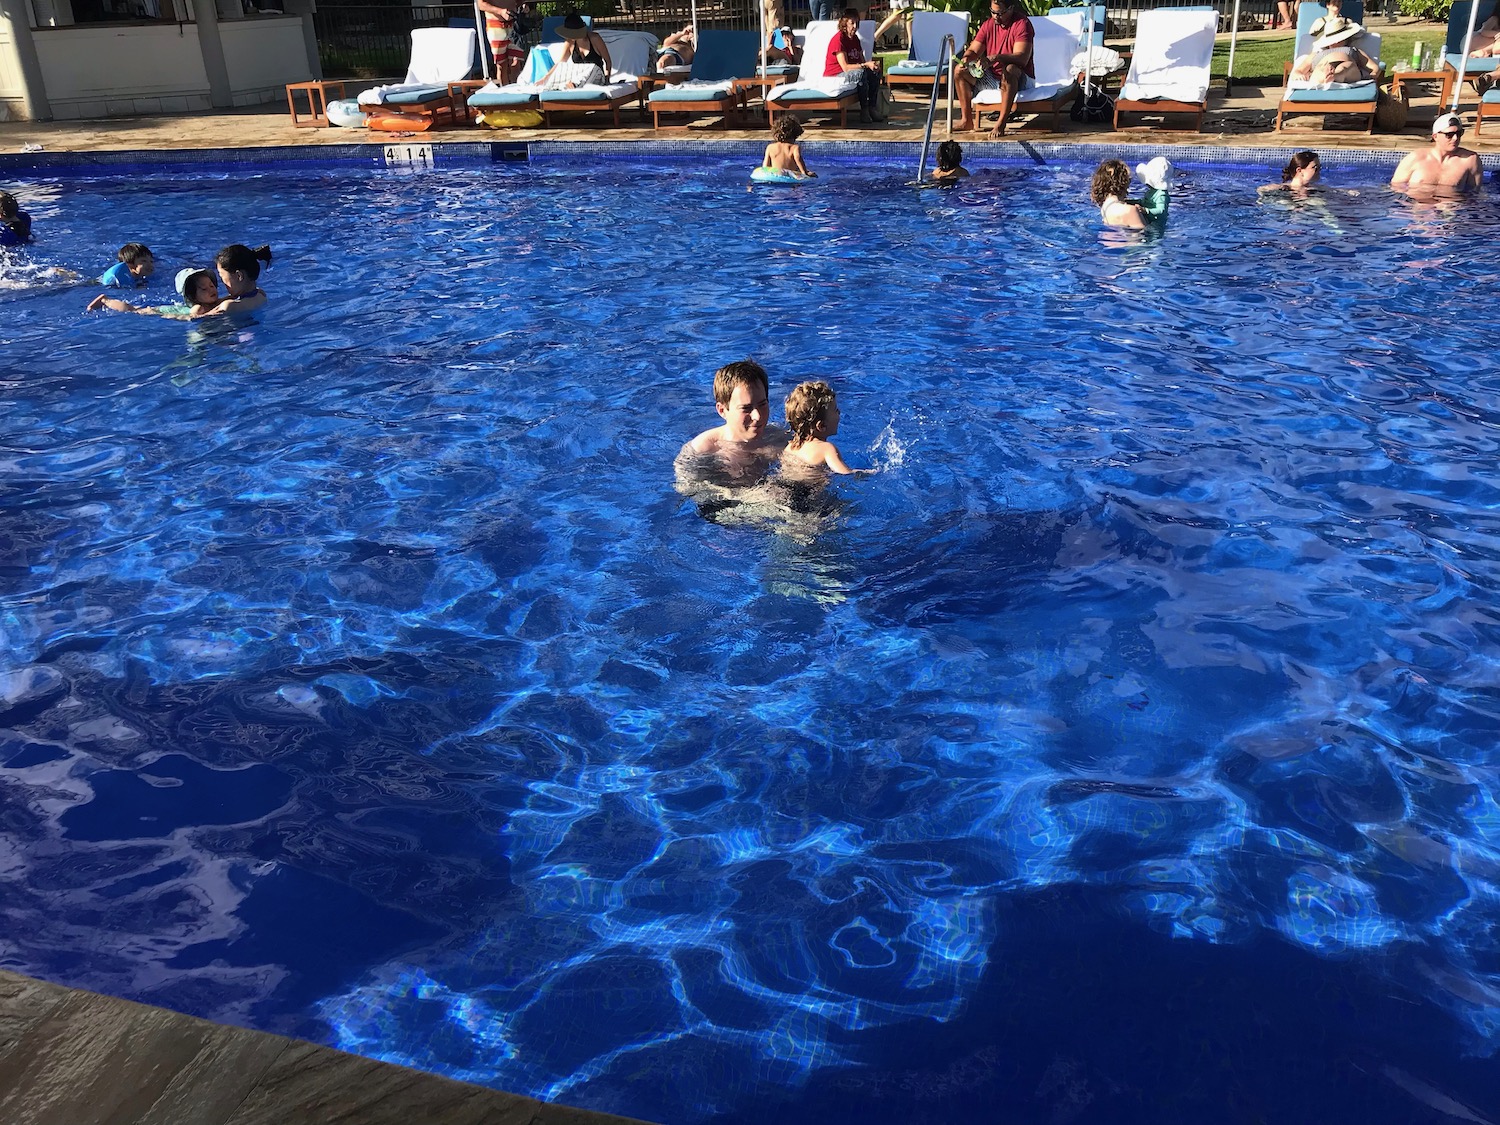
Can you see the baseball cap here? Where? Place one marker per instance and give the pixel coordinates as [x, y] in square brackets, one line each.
[1446, 121]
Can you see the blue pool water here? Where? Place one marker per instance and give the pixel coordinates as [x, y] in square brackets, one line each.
[1123, 751]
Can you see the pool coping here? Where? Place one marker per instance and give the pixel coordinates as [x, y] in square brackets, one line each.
[458, 154]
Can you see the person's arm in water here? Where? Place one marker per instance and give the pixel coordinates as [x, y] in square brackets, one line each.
[1402, 174]
[234, 305]
[1474, 176]
[797, 160]
[834, 461]
[112, 303]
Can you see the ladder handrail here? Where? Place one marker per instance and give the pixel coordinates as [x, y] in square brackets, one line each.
[945, 51]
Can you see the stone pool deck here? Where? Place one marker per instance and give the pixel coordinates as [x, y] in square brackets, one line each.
[1241, 119]
[69, 1057]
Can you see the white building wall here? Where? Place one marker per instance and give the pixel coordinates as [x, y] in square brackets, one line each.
[108, 71]
[263, 54]
[12, 91]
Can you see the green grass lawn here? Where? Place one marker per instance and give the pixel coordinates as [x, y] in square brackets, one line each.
[1261, 60]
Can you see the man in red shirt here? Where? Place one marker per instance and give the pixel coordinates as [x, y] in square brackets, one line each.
[1001, 52]
[846, 53]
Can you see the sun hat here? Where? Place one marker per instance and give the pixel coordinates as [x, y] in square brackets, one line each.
[1446, 121]
[1156, 172]
[1322, 24]
[183, 277]
[1337, 31]
[573, 27]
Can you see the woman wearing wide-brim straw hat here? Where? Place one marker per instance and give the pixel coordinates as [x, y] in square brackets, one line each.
[1335, 58]
[584, 60]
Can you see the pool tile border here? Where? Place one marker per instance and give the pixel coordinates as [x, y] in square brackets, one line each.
[463, 154]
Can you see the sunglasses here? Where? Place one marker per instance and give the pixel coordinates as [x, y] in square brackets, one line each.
[1453, 134]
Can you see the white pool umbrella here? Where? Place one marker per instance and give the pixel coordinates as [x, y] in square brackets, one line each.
[760, 53]
[1234, 35]
[484, 56]
[1088, 70]
[1458, 87]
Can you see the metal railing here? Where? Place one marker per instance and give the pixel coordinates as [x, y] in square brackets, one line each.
[945, 58]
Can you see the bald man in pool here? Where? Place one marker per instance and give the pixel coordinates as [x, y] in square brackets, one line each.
[746, 445]
[1444, 168]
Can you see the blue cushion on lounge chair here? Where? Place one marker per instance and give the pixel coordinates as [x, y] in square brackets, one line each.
[1475, 66]
[923, 70]
[582, 94]
[420, 96]
[779, 68]
[691, 94]
[1363, 92]
[497, 99]
[1491, 97]
[811, 96]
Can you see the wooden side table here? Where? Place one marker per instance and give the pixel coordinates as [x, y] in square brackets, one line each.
[1399, 78]
[317, 101]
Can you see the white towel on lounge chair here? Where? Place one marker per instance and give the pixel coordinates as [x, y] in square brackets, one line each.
[377, 95]
[439, 55]
[810, 75]
[1173, 50]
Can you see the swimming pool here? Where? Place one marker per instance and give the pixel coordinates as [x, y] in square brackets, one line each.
[1123, 751]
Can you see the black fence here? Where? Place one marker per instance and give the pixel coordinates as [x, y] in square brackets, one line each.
[374, 41]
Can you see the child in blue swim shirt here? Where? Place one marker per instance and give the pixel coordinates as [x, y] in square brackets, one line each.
[135, 267]
[15, 224]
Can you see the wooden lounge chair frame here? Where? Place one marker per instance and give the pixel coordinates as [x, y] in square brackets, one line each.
[638, 95]
[1307, 12]
[1160, 107]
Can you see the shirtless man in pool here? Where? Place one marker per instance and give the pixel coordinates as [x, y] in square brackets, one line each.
[746, 446]
[1445, 167]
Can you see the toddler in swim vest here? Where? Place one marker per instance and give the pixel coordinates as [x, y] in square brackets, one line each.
[1157, 174]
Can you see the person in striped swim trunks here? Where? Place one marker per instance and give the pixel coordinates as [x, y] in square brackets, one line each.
[500, 26]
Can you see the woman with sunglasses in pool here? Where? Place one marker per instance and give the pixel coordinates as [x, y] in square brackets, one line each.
[1443, 168]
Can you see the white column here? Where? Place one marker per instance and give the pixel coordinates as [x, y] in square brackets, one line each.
[206, 13]
[33, 89]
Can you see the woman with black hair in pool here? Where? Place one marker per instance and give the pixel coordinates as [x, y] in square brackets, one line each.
[1301, 172]
[239, 270]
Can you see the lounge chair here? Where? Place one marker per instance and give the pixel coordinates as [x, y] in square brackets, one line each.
[920, 67]
[509, 105]
[1453, 46]
[720, 58]
[781, 70]
[1169, 64]
[814, 91]
[1056, 85]
[630, 51]
[423, 100]
[1353, 98]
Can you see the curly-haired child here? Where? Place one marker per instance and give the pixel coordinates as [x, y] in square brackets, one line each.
[784, 154]
[812, 416]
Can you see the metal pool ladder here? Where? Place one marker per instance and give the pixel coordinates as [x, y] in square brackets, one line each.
[945, 53]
